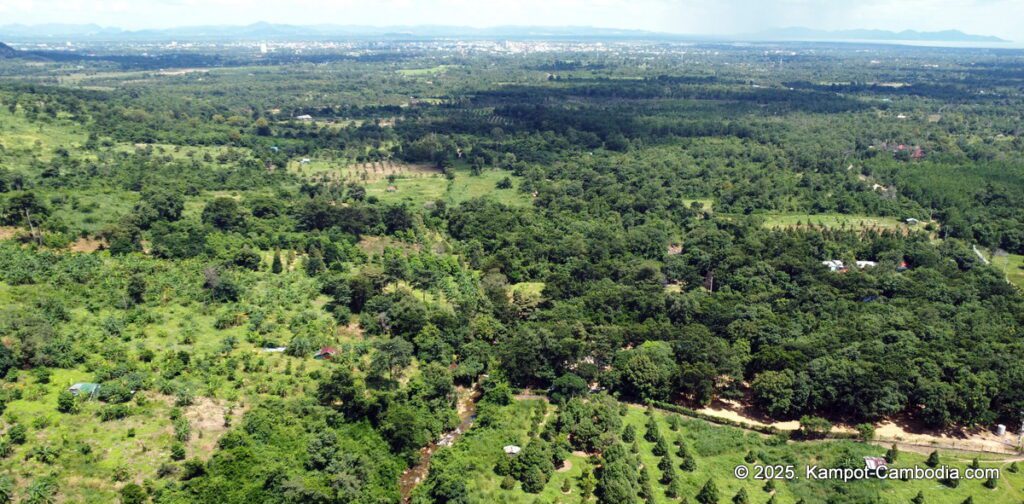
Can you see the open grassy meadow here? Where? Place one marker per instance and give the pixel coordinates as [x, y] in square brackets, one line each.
[1013, 266]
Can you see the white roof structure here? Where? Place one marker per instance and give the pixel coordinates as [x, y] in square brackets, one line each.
[866, 264]
[875, 463]
[512, 449]
[834, 264]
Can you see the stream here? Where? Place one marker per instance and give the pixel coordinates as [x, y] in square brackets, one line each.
[416, 474]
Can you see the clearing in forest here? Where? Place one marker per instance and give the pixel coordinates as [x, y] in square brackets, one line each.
[835, 221]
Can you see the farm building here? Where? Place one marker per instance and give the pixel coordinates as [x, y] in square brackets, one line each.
[84, 389]
[326, 353]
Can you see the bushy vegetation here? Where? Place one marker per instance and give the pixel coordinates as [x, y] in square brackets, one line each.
[290, 310]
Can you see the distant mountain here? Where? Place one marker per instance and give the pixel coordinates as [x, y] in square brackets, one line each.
[799, 33]
[7, 51]
[283, 32]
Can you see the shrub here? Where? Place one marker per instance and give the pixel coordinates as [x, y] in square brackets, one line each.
[177, 451]
[132, 494]
[866, 432]
[193, 468]
[66, 402]
[114, 412]
[17, 434]
[814, 427]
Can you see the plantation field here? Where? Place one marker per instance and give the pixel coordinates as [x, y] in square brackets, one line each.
[717, 450]
[833, 221]
[416, 184]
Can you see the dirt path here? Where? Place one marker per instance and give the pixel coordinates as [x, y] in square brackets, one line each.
[416, 474]
[902, 431]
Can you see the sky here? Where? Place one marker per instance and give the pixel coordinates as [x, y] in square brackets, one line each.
[1003, 18]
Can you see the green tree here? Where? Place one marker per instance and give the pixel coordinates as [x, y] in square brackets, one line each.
[392, 356]
[892, 454]
[708, 493]
[933, 459]
[224, 213]
[741, 497]
[629, 433]
[66, 402]
[132, 494]
[276, 266]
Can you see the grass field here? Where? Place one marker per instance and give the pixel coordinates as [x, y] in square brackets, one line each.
[706, 204]
[1013, 266]
[22, 139]
[91, 210]
[718, 450]
[463, 187]
[422, 72]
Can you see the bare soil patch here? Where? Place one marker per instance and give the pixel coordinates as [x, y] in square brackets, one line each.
[207, 419]
[87, 245]
[9, 232]
[900, 430]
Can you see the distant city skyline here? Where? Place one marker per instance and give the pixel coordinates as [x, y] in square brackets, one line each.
[1001, 18]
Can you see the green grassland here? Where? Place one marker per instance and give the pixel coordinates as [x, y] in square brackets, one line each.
[422, 72]
[706, 204]
[465, 186]
[23, 139]
[718, 450]
[1013, 266]
[92, 210]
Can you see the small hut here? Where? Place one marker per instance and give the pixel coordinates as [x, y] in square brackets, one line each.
[87, 390]
[326, 353]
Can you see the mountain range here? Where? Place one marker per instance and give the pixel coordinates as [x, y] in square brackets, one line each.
[7, 51]
[285, 32]
[800, 33]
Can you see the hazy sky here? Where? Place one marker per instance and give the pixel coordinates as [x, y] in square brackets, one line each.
[1004, 18]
